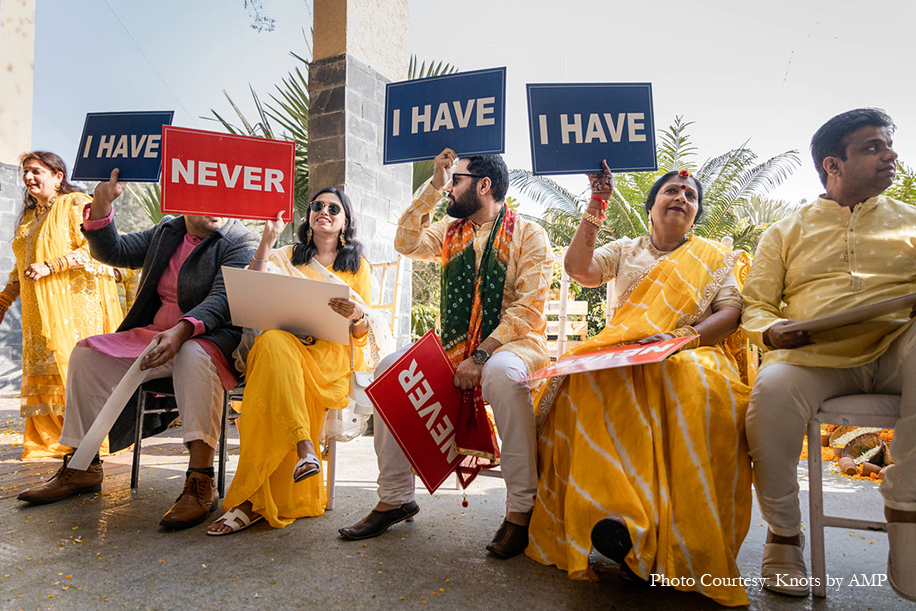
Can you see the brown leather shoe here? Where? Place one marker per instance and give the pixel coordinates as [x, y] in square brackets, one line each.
[196, 501]
[65, 483]
[510, 540]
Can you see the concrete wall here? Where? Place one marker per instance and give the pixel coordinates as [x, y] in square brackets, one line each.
[11, 329]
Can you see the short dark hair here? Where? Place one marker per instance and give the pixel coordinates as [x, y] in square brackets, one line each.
[657, 186]
[830, 139]
[349, 255]
[494, 168]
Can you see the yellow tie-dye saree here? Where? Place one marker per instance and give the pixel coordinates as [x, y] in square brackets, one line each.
[661, 446]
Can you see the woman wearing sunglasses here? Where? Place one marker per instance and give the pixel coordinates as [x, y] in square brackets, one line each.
[291, 381]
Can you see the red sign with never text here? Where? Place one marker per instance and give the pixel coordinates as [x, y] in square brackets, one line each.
[618, 356]
[418, 400]
[212, 174]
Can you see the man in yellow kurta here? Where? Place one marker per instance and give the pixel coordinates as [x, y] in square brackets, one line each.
[851, 247]
[496, 270]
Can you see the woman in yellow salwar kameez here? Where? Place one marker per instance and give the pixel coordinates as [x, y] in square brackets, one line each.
[292, 381]
[65, 295]
[649, 463]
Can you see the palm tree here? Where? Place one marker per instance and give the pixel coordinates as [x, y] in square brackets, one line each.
[730, 181]
[285, 117]
[904, 187]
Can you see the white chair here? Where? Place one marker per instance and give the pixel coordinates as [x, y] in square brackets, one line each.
[379, 305]
[853, 410]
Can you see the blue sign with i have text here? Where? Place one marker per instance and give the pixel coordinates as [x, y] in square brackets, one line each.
[129, 141]
[465, 112]
[574, 126]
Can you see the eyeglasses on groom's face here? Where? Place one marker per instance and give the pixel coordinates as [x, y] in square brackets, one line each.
[455, 176]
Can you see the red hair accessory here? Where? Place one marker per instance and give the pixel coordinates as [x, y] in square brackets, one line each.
[684, 173]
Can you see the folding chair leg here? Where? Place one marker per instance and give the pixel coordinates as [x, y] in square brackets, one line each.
[138, 435]
[332, 474]
[816, 510]
[223, 451]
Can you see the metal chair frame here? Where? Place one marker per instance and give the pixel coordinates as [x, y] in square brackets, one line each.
[165, 387]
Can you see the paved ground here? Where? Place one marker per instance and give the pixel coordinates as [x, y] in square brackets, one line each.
[107, 550]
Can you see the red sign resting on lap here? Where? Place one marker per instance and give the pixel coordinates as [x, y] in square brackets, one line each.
[618, 356]
[418, 400]
[212, 174]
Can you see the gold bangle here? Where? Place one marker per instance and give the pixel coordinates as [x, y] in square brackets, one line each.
[591, 218]
[64, 263]
[684, 332]
[52, 265]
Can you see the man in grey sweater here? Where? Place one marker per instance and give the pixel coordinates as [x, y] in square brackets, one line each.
[182, 307]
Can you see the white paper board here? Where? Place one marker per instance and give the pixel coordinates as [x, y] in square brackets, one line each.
[113, 407]
[265, 301]
[853, 315]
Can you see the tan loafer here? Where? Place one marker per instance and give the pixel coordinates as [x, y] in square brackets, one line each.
[64, 484]
[784, 569]
[198, 498]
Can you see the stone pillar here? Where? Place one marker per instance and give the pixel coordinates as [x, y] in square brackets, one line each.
[17, 59]
[358, 47]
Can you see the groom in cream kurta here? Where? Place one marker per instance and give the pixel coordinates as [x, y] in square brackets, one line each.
[851, 247]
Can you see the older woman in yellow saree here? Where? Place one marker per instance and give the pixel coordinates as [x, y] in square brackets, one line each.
[291, 381]
[649, 463]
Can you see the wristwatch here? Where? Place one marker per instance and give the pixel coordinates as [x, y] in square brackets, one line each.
[480, 356]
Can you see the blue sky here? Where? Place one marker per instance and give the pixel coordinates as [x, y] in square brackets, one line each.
[770, 73]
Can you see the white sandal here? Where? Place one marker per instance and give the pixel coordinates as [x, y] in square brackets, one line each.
[310, 459]
[240, 521]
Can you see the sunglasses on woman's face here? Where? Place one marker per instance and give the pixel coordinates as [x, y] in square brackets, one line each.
[333, 209]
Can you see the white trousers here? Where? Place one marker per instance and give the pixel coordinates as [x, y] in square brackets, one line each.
[514, 414]
[785, 397]
[92, 376]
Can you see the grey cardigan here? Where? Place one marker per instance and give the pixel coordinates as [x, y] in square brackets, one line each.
[201, 292]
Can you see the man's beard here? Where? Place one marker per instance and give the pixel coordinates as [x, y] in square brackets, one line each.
[467, 204]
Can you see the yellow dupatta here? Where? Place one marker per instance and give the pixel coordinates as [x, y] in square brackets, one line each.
[673, 293]
[57, 236]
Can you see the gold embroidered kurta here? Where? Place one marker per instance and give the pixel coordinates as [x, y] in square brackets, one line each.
[826, 258]
[60, 309]
[522, 327]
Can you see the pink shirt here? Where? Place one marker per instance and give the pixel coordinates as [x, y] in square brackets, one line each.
[130, 343]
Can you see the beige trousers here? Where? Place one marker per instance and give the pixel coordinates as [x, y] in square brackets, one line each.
[92, 376]
[514, 415]
[786, 396]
